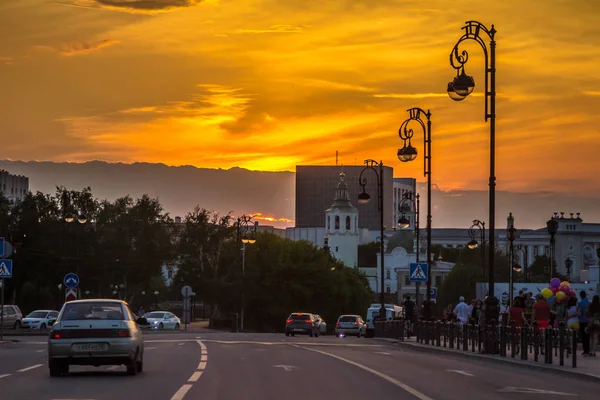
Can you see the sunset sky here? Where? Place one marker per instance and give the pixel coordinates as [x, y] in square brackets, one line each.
[270, 84]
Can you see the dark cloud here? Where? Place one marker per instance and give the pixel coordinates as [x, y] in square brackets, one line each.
[149, 5]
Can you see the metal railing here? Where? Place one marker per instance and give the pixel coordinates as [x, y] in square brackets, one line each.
[501, 340]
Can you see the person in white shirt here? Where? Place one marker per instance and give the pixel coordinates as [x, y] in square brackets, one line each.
[462, 311]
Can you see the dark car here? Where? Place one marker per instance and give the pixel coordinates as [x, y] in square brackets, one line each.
[304, 323]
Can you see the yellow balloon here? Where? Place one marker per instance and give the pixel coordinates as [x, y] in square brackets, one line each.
[547, 293]
[565, 283]
[560, 295]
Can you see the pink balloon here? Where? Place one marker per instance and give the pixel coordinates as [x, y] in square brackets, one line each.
[572, 293]
[554, 290]
[565, 289]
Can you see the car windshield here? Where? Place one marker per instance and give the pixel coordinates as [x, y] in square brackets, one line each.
[93, 310]
[347, 318]
[301, 317]
[155, 315]
[38, 314]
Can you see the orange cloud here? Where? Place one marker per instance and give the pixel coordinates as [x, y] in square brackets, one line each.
[262, 217]
[78, 48]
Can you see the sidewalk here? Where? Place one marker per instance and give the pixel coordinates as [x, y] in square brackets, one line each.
[587, 367]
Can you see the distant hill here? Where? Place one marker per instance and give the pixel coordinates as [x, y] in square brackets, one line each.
[179, 189]
[242, 191]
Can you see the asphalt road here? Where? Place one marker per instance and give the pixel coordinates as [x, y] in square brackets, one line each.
[250, 366]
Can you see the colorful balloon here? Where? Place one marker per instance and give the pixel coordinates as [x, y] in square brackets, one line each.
[572, 293]
[565, 289]
[565, 283]
[555, 283]
[560, 296]
[551, 300]
[554, 290]
[547, 293]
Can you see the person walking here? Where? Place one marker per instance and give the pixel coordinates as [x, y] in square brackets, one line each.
[583, 322]
[462, 311]
[593, 314]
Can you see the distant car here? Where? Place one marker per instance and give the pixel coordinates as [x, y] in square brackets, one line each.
[350, 325]
[40, 319]
[321, 324]
[12, 317]
[304, 323]
[163, 320]
[95, 332]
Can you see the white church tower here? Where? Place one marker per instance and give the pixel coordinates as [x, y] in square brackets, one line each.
[341, 226]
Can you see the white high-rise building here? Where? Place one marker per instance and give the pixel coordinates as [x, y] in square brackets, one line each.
[341, 226]
[14, 187]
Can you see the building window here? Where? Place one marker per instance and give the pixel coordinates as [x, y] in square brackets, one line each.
[328, 222]
[438, 281]
[387, 275]
[348, 223]
[535, 250]
[337, 222]
[406, 280]
[388, 290]
[336, 249]
[356, 222]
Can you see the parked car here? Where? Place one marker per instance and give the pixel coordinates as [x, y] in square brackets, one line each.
[12, 316]
[95, 332]
[350, 325]
[321, 324]
[163, 320]
[40, 319]
[304, 323]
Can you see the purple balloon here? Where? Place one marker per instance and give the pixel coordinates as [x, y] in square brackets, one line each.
[555, 283]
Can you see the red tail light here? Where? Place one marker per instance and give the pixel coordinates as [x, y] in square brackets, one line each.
[308, 321]
[55, 335]
[356, 323]
[288, 321]
[123, 333]
[337, 323]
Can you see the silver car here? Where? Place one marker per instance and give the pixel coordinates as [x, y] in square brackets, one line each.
[350, 325]
[95, 332]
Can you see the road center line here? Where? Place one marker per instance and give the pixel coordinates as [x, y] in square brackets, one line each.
[202, 345]
[195, 376]
[204, 357]
[179, 395]
[202, 365]
[396, 382]
[113, 367]
[4, 376]
[30, 368]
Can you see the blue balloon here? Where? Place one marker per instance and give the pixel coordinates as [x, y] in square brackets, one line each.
[551, 300]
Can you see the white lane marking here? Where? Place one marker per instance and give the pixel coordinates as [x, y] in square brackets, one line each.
[149, 348]
[204, 352]
[40, 351]
[30, 368]
[202, 365]
[396, 382]
[382, 352]
[458, 371]
[337, 344]
[4, 376]
[180, 344]
[511, 389]
[286, 368]
[204, 357]
[113, 367]
[195, 376]
[202, 345]
[179, 395]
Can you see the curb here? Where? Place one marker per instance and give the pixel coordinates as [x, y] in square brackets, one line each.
[498, 360]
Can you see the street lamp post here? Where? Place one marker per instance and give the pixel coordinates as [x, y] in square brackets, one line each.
[568, 265]
[458, 90]
[473, 243]
[328, 250]
[552, 225]
[246, 234]
[81, 219]
[363, 198]
[528, 272]
[409, 153]
[404, 223]
[511, 235]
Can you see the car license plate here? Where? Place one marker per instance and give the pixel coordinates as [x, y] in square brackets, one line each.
[90, 347]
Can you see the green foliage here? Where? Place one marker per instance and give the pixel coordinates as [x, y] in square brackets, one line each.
[449, 254]
[402, 238]
[367, 255]
[459, 282]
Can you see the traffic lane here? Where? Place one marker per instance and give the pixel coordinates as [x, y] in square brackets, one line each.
[16, 356]
[166, 367]
[260, 371]
[449, 377]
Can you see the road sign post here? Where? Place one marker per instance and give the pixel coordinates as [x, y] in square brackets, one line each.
[71, 294]
[71, 280]
[418, 272]
[2, 243]
[2, 310]
[186, 292]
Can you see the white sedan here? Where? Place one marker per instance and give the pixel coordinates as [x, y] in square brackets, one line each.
[39, 319]
[162, 320]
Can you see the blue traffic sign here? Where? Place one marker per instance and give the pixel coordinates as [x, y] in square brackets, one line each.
[2, 247]
[6, 269]
[433, 293]
[71, 280]
[418, 272]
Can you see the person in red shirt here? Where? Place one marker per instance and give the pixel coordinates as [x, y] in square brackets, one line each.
[517, 312]
[541, 311]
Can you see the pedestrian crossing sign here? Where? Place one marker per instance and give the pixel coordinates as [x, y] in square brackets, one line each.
[6, 267]
[419, 272]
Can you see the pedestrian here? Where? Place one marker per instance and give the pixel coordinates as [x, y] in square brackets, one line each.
[517, 313]
[408, 307]
[593, 314]
[541, 311]
[583, 322]
[573, 314]
[462, 311]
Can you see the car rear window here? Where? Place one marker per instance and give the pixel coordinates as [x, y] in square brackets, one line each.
[157, 315]
[302, 317]
[93, 311]
[347, 318]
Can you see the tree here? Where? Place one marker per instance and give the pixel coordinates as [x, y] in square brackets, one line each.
[403, 238]
[539, 270]
[367, 255]
[461, 281]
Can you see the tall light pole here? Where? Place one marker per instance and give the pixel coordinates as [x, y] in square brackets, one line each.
[404, 223]
[511, 235]
[81, 219]
[473, 243]
[246, 234]
[528, 272]
[458, 90]
[552, 226]
[363, 198]
[409, 153]
[568, 266]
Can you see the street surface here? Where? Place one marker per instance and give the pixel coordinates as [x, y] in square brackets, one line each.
[227, 366]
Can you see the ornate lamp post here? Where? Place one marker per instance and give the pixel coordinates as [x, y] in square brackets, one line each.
[328, 250]
[552, 225]
[363, 198]
[458, 90]
[404, 223]
[246, 233]
[525, 253]
[511, 235]
[409, 153]
[473, 243]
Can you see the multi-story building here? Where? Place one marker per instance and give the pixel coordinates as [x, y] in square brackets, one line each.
[402, 186]
[13, 187]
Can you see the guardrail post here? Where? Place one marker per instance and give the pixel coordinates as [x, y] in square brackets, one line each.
[561, 343]
[574, 344]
